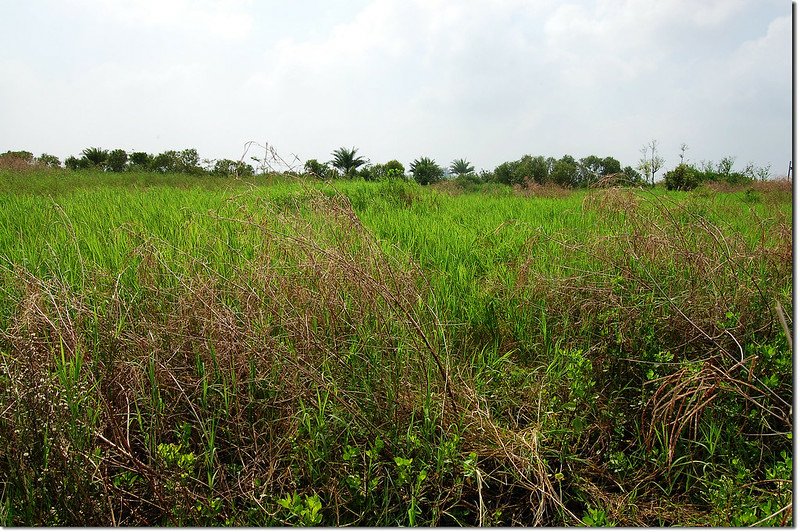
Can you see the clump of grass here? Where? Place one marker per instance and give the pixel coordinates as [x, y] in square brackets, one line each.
[204, 397]
[547, 190]
[678, 309]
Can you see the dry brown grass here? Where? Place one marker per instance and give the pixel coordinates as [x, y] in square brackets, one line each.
[321, 312]
[548, 190]
[612, 200]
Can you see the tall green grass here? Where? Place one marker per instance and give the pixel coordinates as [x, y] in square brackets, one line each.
[183, 350]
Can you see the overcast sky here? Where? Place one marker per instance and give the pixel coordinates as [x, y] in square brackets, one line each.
[486, 80]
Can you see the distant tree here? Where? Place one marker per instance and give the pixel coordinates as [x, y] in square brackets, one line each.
[188, 162]
[390, 170]
[633, 177]
[650, 162]
[506, 173]
[683, 177]
[756, 173]
[228, 168]
[50, 161]
[317, 169]
[611, 166]
[526, 169]
[725, 165]
[73, 163]
[16, 160]
[565, 172]
[461, 167]
[95, 157]
[592, 168]
[726, 173]
[140, 160]
[684, 149]
[394, 169]
[426, 172]
[540, 168]
[347, 161]
[117, 160]
[165, 162]
[22, 155]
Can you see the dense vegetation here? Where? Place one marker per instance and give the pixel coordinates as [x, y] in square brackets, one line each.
[271, 349]
[566, 172]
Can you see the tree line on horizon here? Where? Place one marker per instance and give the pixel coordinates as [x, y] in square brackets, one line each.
[566, 172]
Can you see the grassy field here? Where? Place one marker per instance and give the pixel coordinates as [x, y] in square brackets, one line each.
[192, 351]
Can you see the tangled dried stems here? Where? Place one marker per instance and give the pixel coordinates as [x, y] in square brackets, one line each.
[548, 190]
[612, 200]
[699, 289]
[234, 354]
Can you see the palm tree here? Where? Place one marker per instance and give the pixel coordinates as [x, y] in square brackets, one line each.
[347, 161]
[426, 171]
[461, 167]
[95, 156]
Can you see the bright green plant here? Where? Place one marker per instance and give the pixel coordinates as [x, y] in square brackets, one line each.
[302, 511]
[347, 161]
[425, 171]
[117, 160]
[461, 167]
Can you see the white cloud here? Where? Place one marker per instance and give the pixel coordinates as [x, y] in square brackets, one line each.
[228, 19]
[489, 80]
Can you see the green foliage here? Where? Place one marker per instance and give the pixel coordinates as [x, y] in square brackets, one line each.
[592, 168]
[50, 161]
[95, 158]
[633, 177]
[302, 512]
[165, 162]
[347, 161]
[185, 161]
[140, 160]
[317, 169]
[73, 163]
[117, 160]
[688, 177]
[228, 168]
[461, 167]
[390, 170]
[394, 169]
[188, 162]
[528, 168]
[683, 177]
[425, 171]
[596, 517]
[565, 172]
[185, 351]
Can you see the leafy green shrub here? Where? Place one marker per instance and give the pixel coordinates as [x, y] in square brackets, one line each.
[347, 161]
[426, 172]
[391, 170]
[683, 177]
[140, 160]
[228, 167]
[95, 157]
[50, 161]
[462, 167]
[117, 160]
[317, 169]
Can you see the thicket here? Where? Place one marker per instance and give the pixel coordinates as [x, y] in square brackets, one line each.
[528, 171]
[689, 176]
